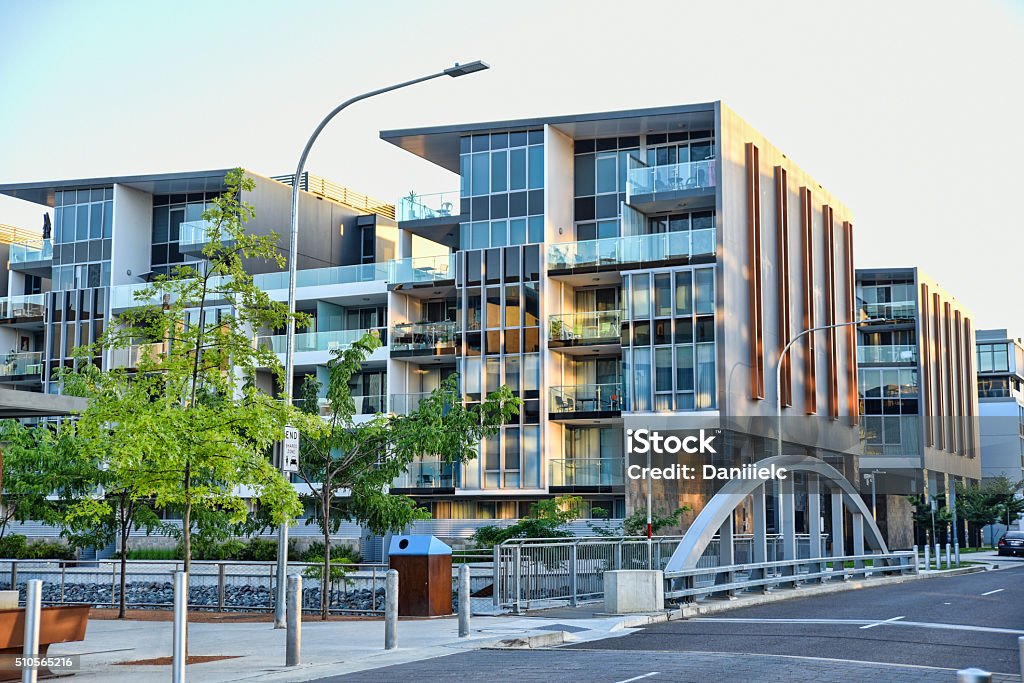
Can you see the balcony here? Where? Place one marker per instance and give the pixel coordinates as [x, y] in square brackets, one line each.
[323, 277]
[26, 365]
[423, 339]
[588, 329]
[123, 297]
[892, 311]
[22, 307]
[421, 270]
[895, 353]
[34, 258]
[589, 475]
[661, 188]
[319, 341]
[130, 356]
[422, 207]
[613, 253]
[586, 401]
[426, 475]
[365, 405]
[194, 235]
[406, 404]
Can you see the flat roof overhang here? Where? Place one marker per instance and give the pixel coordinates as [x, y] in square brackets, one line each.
[17, 404]
[440, 144]
[155, 183]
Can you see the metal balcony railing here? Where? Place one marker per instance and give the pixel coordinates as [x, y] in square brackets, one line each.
[689, 175]
[22, 306]
[893, 310]
[319, 277]
[894, 353]
[319, 341]
[615, 251]
[585, 472]
[129, 357]
[428, 475]
[587, 398]
[366, 404]
[422, 336]
[31, 252]
[414, 207]
[592, 326]
[314, 184]
[421, 269]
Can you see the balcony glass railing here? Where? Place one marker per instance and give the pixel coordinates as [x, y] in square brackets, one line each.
[894, 353]
[585, 472]
[21, 364]
[593, 326]
[414, 207]
[318, 277]
[194, 232]
[613, 251]
[22, 306]
[587, 398]
[894, 310]
[429, 475]
[129, 356]
[421, 269]
[422, 336]
[319, 341]
[31, 253]
[406, 404]
[364, 404]
[691, 175]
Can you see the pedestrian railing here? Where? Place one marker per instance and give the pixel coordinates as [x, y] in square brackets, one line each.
[230, 586]
[687, 585]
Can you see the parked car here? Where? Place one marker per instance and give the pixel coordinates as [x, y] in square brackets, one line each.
[1012, 543]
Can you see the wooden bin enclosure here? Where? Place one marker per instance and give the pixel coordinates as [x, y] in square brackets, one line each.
[56, 625]
[424, 567]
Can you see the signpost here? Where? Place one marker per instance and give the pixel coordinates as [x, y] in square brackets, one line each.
[290, 450]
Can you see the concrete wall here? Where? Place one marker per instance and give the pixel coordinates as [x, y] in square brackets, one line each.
[1000, 438]
[132, 235]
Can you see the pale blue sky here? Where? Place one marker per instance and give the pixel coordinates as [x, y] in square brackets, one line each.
[909, 112]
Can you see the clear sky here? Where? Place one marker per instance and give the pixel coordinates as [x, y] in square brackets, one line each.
[910, 112]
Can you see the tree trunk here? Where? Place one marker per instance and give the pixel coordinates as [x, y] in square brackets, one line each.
[325, 584]
[125, 529]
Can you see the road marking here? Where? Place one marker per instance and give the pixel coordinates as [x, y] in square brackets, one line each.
[852, 622]
[637, 678]
[998, 590]
[879, 623]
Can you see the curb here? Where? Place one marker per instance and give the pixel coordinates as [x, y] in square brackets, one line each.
[528, 642]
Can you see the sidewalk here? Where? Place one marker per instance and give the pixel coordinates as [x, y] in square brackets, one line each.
[328, 648]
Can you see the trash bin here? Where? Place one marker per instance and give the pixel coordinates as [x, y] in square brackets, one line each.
[424, 567]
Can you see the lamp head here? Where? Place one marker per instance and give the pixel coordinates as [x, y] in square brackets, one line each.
[463, 69]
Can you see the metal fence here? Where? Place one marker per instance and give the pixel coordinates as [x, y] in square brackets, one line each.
[221, 586]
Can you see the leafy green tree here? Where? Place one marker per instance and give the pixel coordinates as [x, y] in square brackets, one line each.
[546, 519]
[995, 500]
[188, 420]
[923, 516]
[28, 465]
[363, 458]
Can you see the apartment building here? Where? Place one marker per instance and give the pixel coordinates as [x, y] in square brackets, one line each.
[918, 393]
[1001, 404]
[622, 270]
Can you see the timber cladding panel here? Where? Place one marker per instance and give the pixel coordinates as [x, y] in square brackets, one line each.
[782, 269]
[851, 330]
[756, 312]
[807, 259]
[830, 311]
[926, 364]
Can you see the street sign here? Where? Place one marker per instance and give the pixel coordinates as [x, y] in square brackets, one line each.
[290, 450]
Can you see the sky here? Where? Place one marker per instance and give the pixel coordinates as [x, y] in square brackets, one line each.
[910, 113]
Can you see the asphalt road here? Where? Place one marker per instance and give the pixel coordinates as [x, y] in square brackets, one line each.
[921, 630]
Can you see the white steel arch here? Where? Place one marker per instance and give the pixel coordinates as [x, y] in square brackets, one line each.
[716, 517]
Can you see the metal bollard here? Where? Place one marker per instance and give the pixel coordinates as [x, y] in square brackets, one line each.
[33, 605]
[180, 627]
[949, 556]
[221, 586]
[1020, 648]
[391, 610]
[464, 601]
[917, 561]
[973, 676]
[294, 620]
[938, 557]
[927, 557]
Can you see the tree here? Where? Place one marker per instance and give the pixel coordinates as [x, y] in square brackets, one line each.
[363, 459]
[546, 519]
[29, 465]
[995, 500]
[923, 516]
[189, 421]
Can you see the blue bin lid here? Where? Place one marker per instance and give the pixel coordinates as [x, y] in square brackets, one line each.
[418, 544]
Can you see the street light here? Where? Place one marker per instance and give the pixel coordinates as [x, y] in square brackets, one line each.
[871, 477]
[782, 355]
[293, 248]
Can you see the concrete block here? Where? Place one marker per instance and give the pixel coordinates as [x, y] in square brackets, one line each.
[8, 599]
[634, 590]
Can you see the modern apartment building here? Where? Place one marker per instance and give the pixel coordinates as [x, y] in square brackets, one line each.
[1001, 404]
[918, 393]
[632, 269]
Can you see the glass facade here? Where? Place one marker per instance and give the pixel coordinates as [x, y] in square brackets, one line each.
[82, 231]
[889, 405]
[169, 212]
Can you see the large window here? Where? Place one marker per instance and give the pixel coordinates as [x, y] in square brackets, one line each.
[169, 212]
[82, 231]
[889, 402]
[502, 189]
[600, 184]
[993, 357]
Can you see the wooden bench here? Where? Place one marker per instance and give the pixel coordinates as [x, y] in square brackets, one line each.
[56, 625]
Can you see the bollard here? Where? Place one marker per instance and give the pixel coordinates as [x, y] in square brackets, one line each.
[927, 557]
[221, 585]
[33, 605]
[464, 601]
[938, 557]
[949, 556]
[291, 657]
[1020, 649]
[180, 626]
[973, 676]
[391, 610]
[917, 560]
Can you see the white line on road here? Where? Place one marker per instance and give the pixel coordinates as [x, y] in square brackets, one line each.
[853, 622]
[637, 678]
[998, 590]
[879, 623]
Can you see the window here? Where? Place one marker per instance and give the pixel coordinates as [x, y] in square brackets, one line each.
[993, 357]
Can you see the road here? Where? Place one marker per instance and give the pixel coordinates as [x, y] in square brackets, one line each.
[916, 631]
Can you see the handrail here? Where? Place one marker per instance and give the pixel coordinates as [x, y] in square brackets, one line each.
[328, 189]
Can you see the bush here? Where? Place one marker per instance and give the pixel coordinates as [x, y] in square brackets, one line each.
[154, 554]
[16, 546]
[341, 553]
[258, 550]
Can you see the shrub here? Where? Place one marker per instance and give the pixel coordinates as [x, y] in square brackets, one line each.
[16, 546]
[154, 554]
